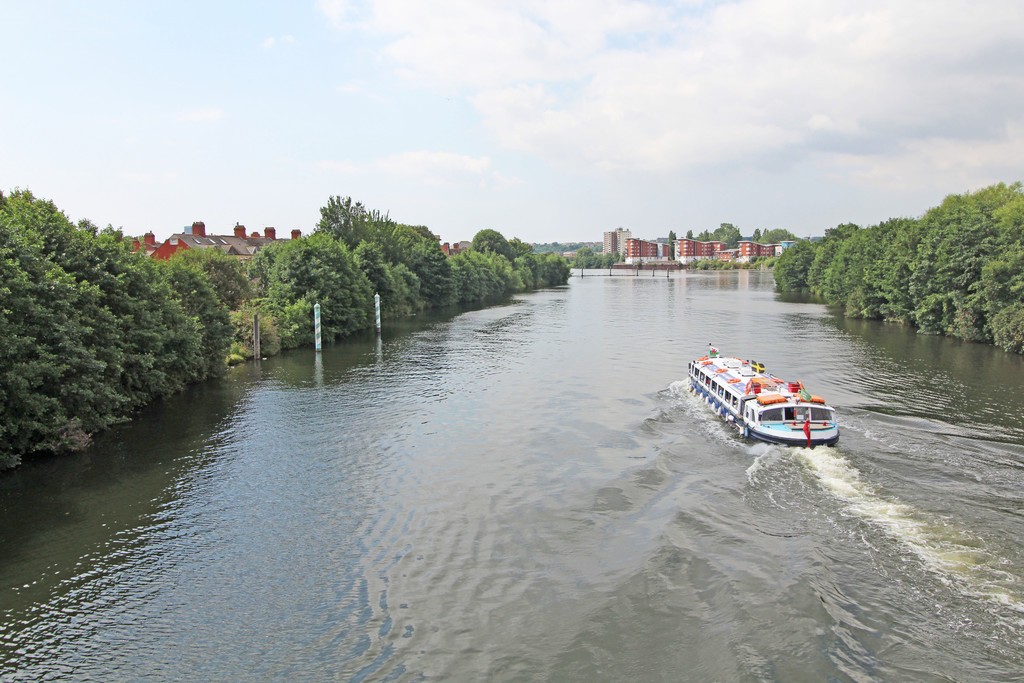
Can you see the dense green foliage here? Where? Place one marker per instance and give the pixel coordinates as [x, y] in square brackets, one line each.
[958, 270]
[774, 236]
[90, 331]
[492, 242]
[226, 273]
[320, 269]
[716, 264]
[561, 248]
[406, 266]
[726, 232]
[586, 258]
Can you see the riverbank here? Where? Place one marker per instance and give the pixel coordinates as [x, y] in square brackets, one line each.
[95, 327]
[957, 271]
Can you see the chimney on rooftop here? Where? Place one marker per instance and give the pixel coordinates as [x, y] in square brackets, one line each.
[271, 233]
[296, 234]
[199, 229]
[254, 235]
[150, 239]
[239, 230]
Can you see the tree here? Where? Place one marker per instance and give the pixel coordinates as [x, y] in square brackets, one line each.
[728, 233]
[431, 266]
[520, 248]
[344, 220]
[319, 269]
[226, 273]
[552, 270]
[492, 242]
[792, 267]
[689, 234]
[369, 257]
[757, 235]
[959, 237]
[88, 330]
[776, 236]
[586, 258]
[199, 299]
[825, 251]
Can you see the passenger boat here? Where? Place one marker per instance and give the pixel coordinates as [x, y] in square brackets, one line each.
[760, 405]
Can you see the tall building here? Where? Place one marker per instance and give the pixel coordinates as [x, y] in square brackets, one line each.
[615, 241]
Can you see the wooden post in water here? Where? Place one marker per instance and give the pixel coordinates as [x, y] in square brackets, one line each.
[256, 335]
[376, 309]
[316, 326]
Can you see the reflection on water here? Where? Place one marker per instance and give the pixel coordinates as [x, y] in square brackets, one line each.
[528, 492]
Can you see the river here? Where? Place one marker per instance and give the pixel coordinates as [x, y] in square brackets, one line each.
[528, 492]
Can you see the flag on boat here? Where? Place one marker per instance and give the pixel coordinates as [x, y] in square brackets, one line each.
[755, 366]
[712, 351]
[805, 395]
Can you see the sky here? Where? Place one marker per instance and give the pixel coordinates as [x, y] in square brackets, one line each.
[546, 120]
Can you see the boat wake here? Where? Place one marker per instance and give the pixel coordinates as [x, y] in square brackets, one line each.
[950, 553]
[953, 554]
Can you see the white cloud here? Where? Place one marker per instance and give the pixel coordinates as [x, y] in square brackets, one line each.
[200, 115]
[272, 41]
[443, 168]
[481, 45]
[338, 12]
[432, 169]
[340, 166]
[663, 87]
[958, 163]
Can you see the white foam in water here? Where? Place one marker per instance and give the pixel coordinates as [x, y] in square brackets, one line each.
[680, 387]
[764, 456]
[948, 551]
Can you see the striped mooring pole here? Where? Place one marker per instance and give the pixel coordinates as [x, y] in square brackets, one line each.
[376, 308]
[256, 336]
[316, 325]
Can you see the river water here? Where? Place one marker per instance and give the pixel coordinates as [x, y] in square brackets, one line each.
[528, 492]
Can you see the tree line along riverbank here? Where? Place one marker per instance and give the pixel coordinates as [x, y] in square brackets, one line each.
[958, 270]
[91, 331]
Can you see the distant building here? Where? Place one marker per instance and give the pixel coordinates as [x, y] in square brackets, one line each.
[750, 250]
[641, 251]
[239, 245]
[689, 250]
[148, 243]
[456, 248]
[615, 241]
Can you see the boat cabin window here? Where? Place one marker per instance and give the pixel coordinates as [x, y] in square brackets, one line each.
[798, 413]
[772, 415]
[803, 413]
[821, 415]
